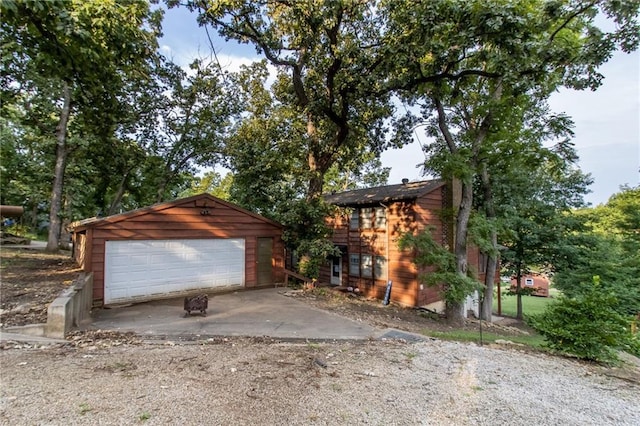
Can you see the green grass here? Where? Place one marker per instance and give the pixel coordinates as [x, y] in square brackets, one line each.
[531, 305]
[532, 340]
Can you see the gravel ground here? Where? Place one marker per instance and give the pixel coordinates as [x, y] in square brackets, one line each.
[253, 381]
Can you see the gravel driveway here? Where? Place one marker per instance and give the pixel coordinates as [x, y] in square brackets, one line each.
[253, 382]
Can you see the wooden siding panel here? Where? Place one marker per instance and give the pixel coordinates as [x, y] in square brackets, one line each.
[278, 260]
[162, 234]
[250, 276]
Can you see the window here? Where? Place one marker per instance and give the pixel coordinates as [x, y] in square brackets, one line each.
[380, 269]
[381, 217]
[354, 265]
[528, 281]
[365, 217]
[367, 266]
[354, 223]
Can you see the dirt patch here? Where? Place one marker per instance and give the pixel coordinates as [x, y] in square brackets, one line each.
[31, 280]
[413, 320]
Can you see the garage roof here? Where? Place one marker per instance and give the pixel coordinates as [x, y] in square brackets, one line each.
[204, 201]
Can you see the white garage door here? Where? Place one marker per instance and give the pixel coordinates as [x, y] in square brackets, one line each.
[138, 270]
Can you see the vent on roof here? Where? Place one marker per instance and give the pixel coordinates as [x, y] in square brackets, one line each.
[405, 181]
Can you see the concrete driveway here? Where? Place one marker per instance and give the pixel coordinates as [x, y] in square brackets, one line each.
[245, 313]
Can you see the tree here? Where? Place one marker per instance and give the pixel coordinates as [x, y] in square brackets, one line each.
[368, 175]
[476, 56]
[607, 247]
[327, 56]
[263, 151]
[439, 267]
[587, 325]
[211, 183]
[538, 220]
[84, 51]
[186, 119]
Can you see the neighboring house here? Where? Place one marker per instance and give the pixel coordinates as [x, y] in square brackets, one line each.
[367, 231]
[195, 244]
[538, 283]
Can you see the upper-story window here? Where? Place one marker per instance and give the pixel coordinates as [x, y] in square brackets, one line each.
[366, 217]
[381, 217]
[354, 222]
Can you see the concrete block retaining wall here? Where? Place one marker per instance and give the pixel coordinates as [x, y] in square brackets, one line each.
[70, 308]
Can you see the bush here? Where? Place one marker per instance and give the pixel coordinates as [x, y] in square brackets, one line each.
[587, 326]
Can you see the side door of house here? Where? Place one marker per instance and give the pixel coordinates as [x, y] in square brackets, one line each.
[265, 267]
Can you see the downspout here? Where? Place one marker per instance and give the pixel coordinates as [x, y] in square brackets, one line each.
[386, 230]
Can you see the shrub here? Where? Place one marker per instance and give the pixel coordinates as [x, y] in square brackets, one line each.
[586, 326]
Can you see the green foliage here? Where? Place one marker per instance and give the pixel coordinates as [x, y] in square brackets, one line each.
[68, 68]
[587, 326]
[316, 252]
[608, 247]
[184, 120]
[328, 57]
[369, 174]
[306, 232]
[438, 266]
[523, 291]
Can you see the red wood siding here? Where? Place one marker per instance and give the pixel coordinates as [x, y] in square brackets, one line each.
[431, 213]
[401, 217]
[181, 221]
[540, 284]
[431, 210]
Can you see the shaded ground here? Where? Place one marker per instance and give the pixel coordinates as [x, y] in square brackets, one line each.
[394, 316]
[30, 280]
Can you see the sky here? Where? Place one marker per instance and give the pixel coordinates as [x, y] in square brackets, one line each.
[607, 121]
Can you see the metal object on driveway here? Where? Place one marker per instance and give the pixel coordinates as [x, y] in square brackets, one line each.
[196, 303]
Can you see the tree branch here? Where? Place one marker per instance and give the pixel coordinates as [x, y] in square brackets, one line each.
[444, 127]
[571, 18]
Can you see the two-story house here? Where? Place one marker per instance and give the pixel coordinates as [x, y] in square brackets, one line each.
[368, 226]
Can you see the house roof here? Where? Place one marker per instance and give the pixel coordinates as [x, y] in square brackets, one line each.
[98, 221]
[381, 194]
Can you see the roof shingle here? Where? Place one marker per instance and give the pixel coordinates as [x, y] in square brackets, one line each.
[403, 191]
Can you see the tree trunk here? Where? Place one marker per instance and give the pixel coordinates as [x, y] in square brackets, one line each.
[117, 199]
[316, 172]
[492, 257]
[518, 293]
[53, 240]
[455, 310]
[316, 178]
[160, 191]
[492, 266]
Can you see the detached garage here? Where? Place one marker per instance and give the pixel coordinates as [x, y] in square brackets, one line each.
[195, 244]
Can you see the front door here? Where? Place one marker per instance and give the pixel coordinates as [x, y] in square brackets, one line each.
[265, 267]
[336, 270]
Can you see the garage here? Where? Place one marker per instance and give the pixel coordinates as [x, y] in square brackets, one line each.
[143, 269]
[196, 244]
